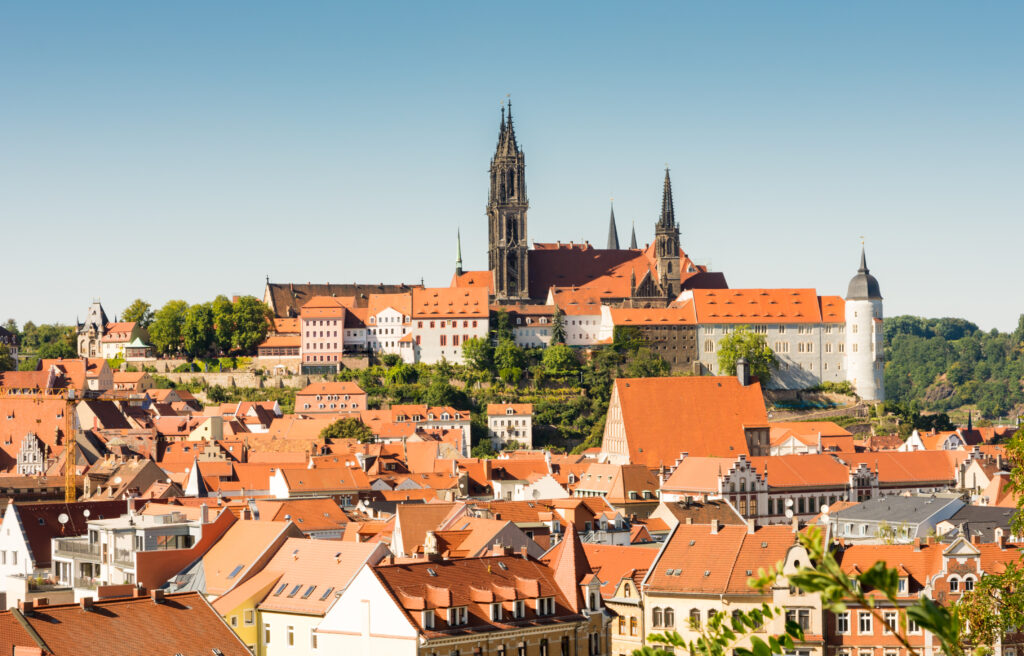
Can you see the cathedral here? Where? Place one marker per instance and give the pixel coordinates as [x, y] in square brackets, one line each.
[652, 276]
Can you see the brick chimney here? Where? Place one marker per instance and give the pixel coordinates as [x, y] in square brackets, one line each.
[714, 527]
[917, 544]
[85, 603]
[157, 596]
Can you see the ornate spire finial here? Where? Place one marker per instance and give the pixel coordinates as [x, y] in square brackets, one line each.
[668, 213]
[458, 259]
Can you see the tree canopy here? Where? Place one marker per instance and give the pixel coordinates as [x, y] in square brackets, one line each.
[753, 347]
[140, 312]
[348, 428]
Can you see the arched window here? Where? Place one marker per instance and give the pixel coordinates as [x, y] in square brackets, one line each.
[695, 618]
[968, 583]
[711, 613]
[954, 584]
[736, 614]
[657, 617]
[670, 617]
[743, 485]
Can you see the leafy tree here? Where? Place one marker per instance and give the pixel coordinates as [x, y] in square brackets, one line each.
[558, 327]
[751, 346]
[217, 394]
[140, 312]
[252, 317]
[401, 374]
[627, 339]
[483, 449]
[60, 348]
[197, 333]
[6, 359]
[645, 363]
[560, 360]
[508, 356]
[511, 375]
[478, 354]
[502, 326]
[224, 322]
[165, 331]
[348, 428]
[995, 607]
[12, 327]
[390, 359]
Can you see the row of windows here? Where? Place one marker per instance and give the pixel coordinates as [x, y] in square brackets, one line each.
[865, 623]
[289, 633]
[320, 333]
[801, 329]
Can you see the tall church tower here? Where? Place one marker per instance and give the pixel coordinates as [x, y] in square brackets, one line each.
[506, 216]
[666, 243]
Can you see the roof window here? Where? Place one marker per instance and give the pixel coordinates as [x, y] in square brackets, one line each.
[280, 589]
[326, 594]
[295, 590]
[234, 572]
[309, 591]
[430, 571]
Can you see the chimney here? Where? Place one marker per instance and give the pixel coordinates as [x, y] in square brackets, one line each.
[523, 552]
[157, 596]
[85, 603]
[743, 371]
[999, 537]
[204, 513]
[487, 469]
[930, 540]
[689, 520]
[41, 602]
[26, 607]
[975, 539]
[917, 544]
[750, 526]
[714, 527]
[796, 524]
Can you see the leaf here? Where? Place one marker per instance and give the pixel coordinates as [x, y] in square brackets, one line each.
[760, 648]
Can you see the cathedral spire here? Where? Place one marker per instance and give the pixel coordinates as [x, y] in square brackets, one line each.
[668, 212]
[613, 232]
[863, 261]
[458, 259]
[632, 238]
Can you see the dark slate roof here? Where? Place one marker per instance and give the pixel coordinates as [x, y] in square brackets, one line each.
[896, 509]
[863, 286]
[982, 521]
[286, 299]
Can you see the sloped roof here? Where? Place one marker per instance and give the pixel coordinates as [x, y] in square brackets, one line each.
[401, 303]
[241, 546]
[610, 563]
[40, 521]
[443, 302]
[717, 306]
[342, 387]
[698, 415]
[286, 299]
[182, 624]
[484, 279]
[697, 560]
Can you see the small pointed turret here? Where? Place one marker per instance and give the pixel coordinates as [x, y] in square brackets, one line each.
[632, 238]
[458, 258]
[613, 232]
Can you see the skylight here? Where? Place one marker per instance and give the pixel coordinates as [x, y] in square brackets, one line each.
[430, 570]
[309, 591]
[326, 594]
[295, 590]
[281, 589]
[234, 572]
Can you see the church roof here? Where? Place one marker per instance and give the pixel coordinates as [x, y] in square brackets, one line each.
[286, 299]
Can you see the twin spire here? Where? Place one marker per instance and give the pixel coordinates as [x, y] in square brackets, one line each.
[613, 232]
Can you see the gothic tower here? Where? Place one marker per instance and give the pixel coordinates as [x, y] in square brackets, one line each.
[506, 216]
[666, 243]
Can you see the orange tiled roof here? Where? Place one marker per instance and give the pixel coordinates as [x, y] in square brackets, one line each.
[483, 279]
[611, 563]
[702, 416]
[401, 303]
[503, 408]
[182, 623]
[443, 302]
[757, 306]
[281, 341]
[696, 560]
[344, 387]
[323, 306]
[672, 316]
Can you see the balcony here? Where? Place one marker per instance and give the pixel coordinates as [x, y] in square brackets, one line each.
[124, 558]
[87, 582]
[76, 547]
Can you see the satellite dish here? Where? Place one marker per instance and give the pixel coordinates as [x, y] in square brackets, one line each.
[86, 512]
[63, 518]
[789, 513]
[824, 509]
[789, 503]
[117, 479]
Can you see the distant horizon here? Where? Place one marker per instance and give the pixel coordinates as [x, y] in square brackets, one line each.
[164, 152]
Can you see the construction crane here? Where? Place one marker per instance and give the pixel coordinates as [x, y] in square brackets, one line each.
[71, 443]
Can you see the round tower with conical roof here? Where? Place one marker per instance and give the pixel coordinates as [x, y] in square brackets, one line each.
[864, 356]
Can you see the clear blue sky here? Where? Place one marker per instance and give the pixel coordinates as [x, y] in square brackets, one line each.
[185, 149]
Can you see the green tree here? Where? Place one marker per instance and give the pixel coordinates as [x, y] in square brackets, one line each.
[348, 428]
[559, 360]
[390, 359]
[60, 348]
[645, 363]
[478, 354]
[502, 326]
[224, 322]
[401, 374]
[12, 327]
[627, 339]
[6, 359]
[252, 320]
[140, 312]
[165, 331]
[197, 333]
[508, 356]
[558, 327]
[753, 347]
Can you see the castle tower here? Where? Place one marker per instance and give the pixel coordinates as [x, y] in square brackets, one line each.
[506, 215]
[864, 357]
[666, 243]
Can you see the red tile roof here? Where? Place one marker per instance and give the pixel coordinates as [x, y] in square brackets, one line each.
[483, 279]
[760, 306]
[40, 521]
[182, 624]
[698, 415]
[442, 302]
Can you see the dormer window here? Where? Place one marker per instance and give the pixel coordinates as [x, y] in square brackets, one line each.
[458, 615]
[428, 619]
[901, 586]
[519, 609]
[509, 411]
[496, 614]
[545, 606]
